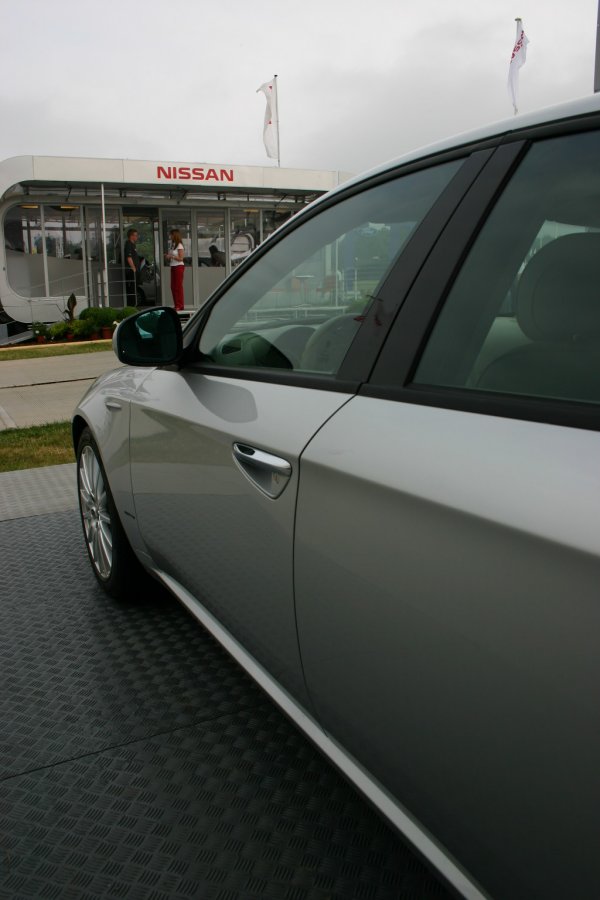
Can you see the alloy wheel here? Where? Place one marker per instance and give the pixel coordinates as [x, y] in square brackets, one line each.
[93, 501]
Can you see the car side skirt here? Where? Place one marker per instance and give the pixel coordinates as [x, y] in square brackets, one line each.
[400, 818]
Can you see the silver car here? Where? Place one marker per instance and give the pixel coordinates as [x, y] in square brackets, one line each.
[370, 466]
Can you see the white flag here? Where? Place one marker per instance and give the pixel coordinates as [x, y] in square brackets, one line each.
[518, 59]
[270, 130]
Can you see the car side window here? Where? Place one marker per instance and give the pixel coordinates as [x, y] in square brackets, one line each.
[523, 316]
[300, 305]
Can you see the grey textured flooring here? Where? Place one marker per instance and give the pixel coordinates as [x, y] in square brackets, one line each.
[35, 492]
[139, 761]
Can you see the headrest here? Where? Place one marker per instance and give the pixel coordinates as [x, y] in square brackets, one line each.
[558, 297]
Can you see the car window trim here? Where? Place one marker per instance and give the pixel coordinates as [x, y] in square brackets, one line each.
[545, 410]
[418, 314]
[367, 343]
[280, 376]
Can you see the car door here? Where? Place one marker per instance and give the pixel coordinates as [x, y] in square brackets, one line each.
[215, 446]
[448, 541]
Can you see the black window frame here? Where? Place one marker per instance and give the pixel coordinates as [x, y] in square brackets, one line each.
[394, 370]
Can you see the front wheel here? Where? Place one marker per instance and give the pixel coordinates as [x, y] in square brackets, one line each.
[115, 565]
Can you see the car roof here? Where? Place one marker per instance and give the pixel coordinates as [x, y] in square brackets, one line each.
[547, 115]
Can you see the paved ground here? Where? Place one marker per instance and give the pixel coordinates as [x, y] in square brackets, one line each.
[139, 761]
[36, 391]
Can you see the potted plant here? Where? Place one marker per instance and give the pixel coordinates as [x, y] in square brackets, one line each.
[105, 322]
[40, 332]
[92, 317]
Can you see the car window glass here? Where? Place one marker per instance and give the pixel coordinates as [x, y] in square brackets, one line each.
[300, 306]
[523, 316]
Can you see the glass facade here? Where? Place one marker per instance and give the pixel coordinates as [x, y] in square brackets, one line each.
[55, 249]
[210, 235]
[44, 250]
[24, 262]
[96, 275]
[244, 234]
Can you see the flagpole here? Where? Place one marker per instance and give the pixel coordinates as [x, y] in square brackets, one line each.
[277, 120]
[106, 292]
[519, 22]
[597, 67]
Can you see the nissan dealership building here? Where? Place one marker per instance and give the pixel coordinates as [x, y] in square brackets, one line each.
[64, 222]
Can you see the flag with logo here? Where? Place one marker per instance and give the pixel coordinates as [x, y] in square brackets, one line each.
[518, 58]
[271, 125]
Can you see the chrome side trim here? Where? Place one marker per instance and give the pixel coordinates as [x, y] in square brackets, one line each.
[418, 836]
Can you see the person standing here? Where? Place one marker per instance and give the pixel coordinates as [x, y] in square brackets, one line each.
[174, 257]
[132, 263]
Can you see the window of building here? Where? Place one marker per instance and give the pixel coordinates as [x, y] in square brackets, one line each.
[44, 250]
[210, 228]
[245, 234]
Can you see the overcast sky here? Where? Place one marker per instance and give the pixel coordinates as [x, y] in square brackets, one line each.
[359, 82]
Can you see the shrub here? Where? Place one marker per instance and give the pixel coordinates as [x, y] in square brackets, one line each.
[59, 330]
[104, 316]
[92, 314]
[83, 328]
[120, 314]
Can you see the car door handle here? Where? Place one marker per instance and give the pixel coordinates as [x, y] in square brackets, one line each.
[269, 473]
[112, 404]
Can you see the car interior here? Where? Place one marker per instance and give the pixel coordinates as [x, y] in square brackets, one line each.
[550, 346]
[317, 346]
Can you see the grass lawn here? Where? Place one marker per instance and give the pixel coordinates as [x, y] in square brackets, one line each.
[40, 445]
[33, 351]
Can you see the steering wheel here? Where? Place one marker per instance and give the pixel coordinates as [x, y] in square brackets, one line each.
[327, 347]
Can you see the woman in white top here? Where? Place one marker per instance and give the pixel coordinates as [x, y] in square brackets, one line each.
[174, 256]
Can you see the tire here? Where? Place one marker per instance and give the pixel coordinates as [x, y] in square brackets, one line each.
[114, 563]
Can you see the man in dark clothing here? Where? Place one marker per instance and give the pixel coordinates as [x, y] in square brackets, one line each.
[132, 263]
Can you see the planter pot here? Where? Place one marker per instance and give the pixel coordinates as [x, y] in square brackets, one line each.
[106, 333]
[69, 337]
[41, 339]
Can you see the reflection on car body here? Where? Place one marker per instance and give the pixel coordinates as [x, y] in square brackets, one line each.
[369, 465]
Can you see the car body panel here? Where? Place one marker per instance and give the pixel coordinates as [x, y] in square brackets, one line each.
[105, 408]
[437, 582]
[203, 521]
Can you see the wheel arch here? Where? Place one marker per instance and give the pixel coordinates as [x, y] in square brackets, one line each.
[77, 426]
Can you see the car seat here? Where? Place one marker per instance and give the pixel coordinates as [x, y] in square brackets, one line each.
[558, 309]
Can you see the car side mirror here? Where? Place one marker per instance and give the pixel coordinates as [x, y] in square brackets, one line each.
[149, 338]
